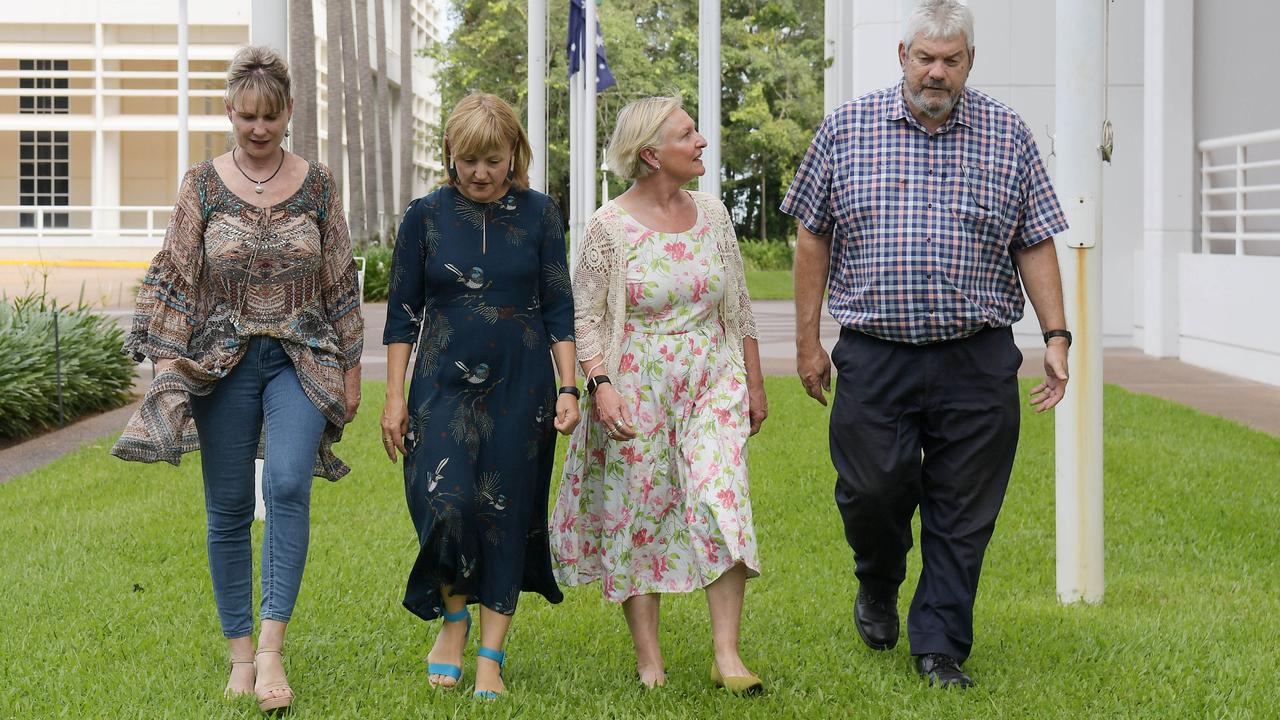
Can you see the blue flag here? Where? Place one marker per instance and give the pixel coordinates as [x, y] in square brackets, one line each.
[577, 36]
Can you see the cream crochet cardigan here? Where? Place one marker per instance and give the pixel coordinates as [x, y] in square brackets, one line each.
[599, 284]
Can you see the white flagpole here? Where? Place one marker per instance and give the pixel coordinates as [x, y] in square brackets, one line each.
[709, 92]
[588, 156]
[537, 93]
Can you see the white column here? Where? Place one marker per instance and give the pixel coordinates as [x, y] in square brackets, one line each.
[1168, 180]
[1079, 115]
[576, 219]
[269, 25]
[98, 184]
[184, 93]
[839, 47]
[709, 92]
[537, 88]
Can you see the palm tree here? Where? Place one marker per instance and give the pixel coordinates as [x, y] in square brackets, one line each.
[406, 105]
[357, 196]
[367, 114]
[387, 201]
[302, 66]
[333, 89]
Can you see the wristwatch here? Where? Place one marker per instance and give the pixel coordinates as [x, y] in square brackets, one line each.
[595, 382]
[1058, 333]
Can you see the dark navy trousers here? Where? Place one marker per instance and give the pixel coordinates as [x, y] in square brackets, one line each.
[935, 427]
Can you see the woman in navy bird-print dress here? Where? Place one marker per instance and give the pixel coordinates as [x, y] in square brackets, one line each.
[479, 282]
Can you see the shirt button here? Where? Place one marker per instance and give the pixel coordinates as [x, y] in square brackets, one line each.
[928, 240]
[930, 204]
[928, 276]
[930, 172]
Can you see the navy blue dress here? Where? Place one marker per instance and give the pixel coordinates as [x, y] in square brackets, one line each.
[483, 289]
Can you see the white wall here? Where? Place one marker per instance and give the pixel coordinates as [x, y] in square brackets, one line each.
[1227, 308]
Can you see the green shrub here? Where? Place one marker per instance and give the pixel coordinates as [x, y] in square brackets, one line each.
[377, 271]
[765, 254]
[95, 374]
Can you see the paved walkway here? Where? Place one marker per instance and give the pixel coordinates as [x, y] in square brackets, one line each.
[1253, 404]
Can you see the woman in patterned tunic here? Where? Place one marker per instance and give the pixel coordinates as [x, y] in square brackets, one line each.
[251, 313]
[479, 282]
[654, 493]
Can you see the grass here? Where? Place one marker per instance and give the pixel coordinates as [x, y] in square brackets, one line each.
[770, 284]
[107, 610]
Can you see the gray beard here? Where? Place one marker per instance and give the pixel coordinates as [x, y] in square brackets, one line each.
[932, 110]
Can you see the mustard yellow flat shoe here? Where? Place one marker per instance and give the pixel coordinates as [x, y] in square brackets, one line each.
[737, 684]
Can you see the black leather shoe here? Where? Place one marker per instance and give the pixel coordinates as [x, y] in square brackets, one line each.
[876, 620]
[942, 670]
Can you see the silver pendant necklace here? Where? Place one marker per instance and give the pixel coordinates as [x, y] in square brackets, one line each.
[257, 183]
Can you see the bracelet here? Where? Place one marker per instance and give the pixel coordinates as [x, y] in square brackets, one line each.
[570, 390]
[592, 369]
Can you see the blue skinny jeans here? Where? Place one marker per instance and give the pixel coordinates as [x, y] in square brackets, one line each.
[263, 387]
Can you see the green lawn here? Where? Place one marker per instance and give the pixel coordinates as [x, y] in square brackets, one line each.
[107, 610]
[770, 284]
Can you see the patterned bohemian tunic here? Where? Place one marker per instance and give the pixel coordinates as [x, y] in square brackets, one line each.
[229, 271]
[483, 290]
[667, 511]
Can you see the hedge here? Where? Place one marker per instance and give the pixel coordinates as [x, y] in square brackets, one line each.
[95, 374]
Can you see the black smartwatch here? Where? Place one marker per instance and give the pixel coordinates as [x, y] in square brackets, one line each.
[569, 390]
[1058, 333]
[596, 382]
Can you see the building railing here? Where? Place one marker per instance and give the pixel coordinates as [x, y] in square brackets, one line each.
[104, 220]
[1252, 187]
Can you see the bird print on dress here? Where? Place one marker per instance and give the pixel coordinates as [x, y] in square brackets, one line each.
[473, 279]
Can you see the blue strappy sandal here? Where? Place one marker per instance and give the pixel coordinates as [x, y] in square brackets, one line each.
[448, 669]
[497, 656]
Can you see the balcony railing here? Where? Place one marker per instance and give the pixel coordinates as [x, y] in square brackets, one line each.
[103, 221]
[1240, 194]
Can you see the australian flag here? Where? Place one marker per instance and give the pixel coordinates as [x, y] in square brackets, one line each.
[577, 37]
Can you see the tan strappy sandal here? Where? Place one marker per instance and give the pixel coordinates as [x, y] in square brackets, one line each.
[276, 696]
[228, 692]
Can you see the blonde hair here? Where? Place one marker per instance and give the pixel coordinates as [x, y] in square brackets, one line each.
[482, 123]
[639, 126]
[260, 71]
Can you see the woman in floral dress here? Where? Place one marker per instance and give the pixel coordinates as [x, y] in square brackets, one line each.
[654, 493]
[479, 282]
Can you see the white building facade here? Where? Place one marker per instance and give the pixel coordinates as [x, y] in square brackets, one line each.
[89, 118]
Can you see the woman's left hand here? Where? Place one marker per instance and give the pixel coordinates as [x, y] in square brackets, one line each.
[567, 415]
[351, 382]
[758, 404]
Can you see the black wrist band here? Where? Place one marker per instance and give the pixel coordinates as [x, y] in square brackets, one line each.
[1057, 333]
[570, 390]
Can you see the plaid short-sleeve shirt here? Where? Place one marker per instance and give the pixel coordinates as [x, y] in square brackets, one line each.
[923, 226]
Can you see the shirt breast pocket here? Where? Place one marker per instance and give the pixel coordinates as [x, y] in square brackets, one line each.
[981, 201]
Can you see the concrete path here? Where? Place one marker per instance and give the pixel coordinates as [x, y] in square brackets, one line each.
[1253, 404]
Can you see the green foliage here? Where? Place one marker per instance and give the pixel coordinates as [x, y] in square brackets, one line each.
[104, 594]
[377, 270]
[771, 89]
[95, 374]
[765, 255]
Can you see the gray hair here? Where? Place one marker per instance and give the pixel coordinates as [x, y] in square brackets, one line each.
[939, 19]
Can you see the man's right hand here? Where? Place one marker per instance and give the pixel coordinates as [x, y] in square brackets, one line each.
[813, 365]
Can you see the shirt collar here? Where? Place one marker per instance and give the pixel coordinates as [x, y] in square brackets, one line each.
[964, 113]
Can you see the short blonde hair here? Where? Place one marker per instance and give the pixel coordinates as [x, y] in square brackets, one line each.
[482, 123]
[639, 126]
[258, 70]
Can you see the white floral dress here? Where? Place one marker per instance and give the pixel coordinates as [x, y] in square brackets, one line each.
[669, 510]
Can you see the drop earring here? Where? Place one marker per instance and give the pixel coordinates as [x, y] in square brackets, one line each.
[453, 172]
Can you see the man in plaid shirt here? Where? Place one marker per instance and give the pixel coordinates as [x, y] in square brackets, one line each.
[919, 208]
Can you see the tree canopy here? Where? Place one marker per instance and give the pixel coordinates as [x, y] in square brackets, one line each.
[771, 100]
